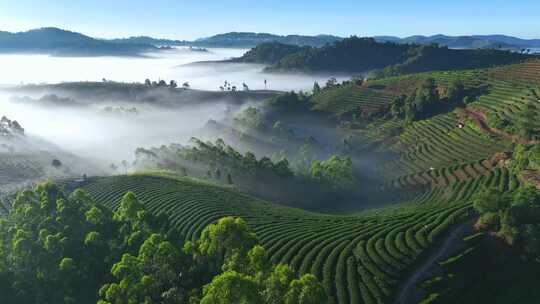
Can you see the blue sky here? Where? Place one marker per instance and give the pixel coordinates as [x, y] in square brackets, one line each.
[188, 19]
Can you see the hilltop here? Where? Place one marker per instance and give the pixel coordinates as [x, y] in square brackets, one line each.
[150, 41]
[250, 39]
[247, 39]
[10, 128]
[161, 94]
[58, 42]
[467, 42]
[358, 55]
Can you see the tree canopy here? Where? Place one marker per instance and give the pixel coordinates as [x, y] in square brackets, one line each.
[59, 248]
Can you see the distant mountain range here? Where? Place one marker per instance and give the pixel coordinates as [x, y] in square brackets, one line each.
[360, 55]
[245, 39]
[249, 40]
[59, 42]
[235, 39]
[468, 42]
[151, 41]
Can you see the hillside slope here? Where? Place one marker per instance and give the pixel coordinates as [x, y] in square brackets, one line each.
[472, 41]
[460, 143]
[360, 258]
[356, 55]
[247, 39]
[55, 41]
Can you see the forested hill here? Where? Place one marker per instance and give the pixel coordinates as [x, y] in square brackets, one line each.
[365, 54]
[270, 52]
[247, 39]
[468, 42]
[55, 41]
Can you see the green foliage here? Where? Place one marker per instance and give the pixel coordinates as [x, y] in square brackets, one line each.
[130, 209]
[455, 92]
[522, 124]
[495, 121]
[422, 58]
[250, 118]
[363, 54]
[158, 274]
[217, 156]
[534, 157]
[457, 258]
[397, 108]
[515, 216]
[530, 235]
[66, 249]
[432, 298]
[58, 247]
[337, 171]
[270, 52]
[319, 246]
[247, 277]
[423, 102]
[136, 224]
[316, 88]
[525, 121]
[227, 241]
[490, 220]
[232, 287]
[468, 100]
[427, 95]
[526, 157]
[305, 156]
[306, 290]
[290, 102]
[490, 200]
[526, 205]
[277, 284]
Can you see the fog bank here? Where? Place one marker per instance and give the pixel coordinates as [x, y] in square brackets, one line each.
[91, 133]
[166, 65]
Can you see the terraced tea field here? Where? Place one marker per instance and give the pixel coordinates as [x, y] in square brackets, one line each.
[361, 258]
[352, 98]
[364, 257]
[438, 151]
[453, 146]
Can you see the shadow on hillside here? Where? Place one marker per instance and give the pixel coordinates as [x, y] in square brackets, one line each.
[445, 106]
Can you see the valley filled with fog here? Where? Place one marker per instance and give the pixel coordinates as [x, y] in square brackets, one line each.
[174, 64]
[79, 125]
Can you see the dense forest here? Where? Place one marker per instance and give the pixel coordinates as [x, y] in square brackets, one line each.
[358, 55]
[59, 248]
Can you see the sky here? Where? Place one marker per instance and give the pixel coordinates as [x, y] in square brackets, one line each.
[191, 19]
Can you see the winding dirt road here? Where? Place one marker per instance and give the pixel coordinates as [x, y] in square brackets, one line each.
[409, 292]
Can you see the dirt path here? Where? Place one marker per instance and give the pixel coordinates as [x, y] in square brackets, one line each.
[409, 292]
[479, 117]
[532, 177]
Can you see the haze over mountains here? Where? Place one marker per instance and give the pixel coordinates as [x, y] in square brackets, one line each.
[366, 55]
[59, 42]
[474, 41]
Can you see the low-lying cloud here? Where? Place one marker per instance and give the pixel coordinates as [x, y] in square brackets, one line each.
[90, 132]
[167, 65]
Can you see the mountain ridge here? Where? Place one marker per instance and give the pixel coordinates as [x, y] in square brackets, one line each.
[60, 42]
[363, 55]
[466, 41]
